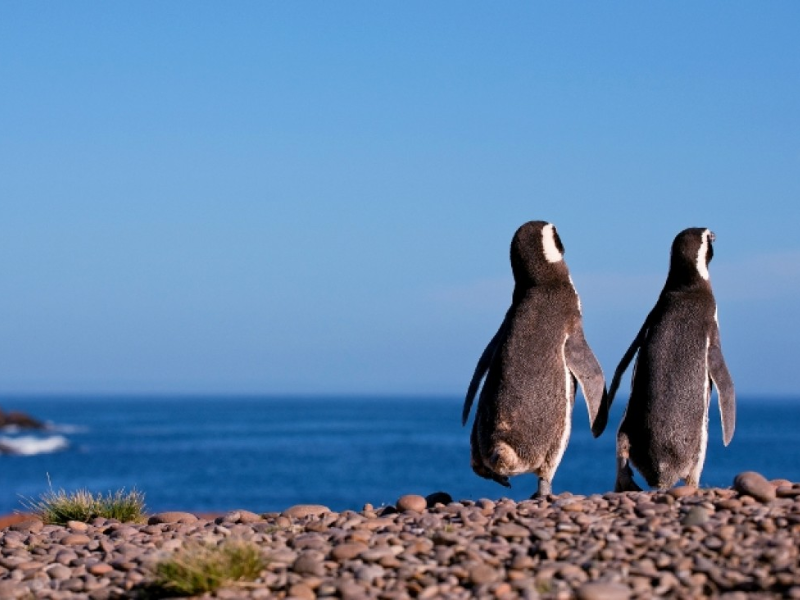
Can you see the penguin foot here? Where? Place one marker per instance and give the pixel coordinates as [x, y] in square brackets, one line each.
[481, 470]
[545, 489]
[502, 480]
[626, 484]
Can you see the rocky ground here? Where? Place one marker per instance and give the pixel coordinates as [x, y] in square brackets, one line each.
[740, 542]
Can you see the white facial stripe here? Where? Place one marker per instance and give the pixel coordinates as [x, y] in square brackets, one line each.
[702, 267]
[551, 251]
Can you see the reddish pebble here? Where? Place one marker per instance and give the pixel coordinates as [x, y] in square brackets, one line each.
[172, 517]
[302, 592]
[412, 502]
[604, 591]
[781, 483]
[482, 573]
[28, 526]
[298, 511]
[99, 569]
[787, 491]
[348, 551]
[754, 484]
[682, 491]
[75, 539]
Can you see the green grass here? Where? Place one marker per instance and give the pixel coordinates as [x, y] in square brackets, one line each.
[57, 508]
[200, 567]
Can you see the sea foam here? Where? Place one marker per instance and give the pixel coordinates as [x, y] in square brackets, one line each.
[30, 445]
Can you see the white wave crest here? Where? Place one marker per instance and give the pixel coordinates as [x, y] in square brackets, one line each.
[65, 428]
[29, 445]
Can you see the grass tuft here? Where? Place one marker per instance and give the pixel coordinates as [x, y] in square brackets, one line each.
[57, 508]
[201, 567]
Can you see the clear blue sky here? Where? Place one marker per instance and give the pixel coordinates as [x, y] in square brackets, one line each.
[318, 197]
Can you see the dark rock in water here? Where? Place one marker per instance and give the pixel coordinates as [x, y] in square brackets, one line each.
[754, 484]
[438, 498]
[19, 419]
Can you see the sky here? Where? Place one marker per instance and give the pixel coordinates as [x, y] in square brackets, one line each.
[318, 197]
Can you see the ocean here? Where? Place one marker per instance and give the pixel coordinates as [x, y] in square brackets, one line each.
[208, 454]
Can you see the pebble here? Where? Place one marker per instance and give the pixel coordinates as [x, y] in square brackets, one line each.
[411, 502]
[309, 563]
[75, 539]
[58, 571]
[300, 511]
[682, 491]
[78, 526]
[482, 573]
[754, 484]
[348, 551]
[302, 592]
[511, 530]
[697, 515]
[29, 525]
[172, 517]
[100, 569]
[684, 543]
[603, 591]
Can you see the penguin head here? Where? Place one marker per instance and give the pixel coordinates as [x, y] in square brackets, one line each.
[537, 254]
[692, 250]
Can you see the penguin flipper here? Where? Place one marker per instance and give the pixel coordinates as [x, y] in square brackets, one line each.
[721, 378]
[627, 358]
[583, 364]
[480, 370]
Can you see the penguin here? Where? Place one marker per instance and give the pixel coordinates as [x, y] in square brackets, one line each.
[531, 365]
[664, 430]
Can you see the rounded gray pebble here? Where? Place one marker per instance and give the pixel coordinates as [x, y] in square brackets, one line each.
[754, 484]
[697, 515]
[603, 591]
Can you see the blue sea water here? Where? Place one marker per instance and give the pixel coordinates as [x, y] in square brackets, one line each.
[265, 454]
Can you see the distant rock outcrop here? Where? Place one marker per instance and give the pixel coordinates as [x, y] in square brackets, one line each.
[19, 419]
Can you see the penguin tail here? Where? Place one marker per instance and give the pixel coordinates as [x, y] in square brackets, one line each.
[504, 460]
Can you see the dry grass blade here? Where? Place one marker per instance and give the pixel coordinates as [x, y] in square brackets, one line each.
[199, 567]
[59, 507]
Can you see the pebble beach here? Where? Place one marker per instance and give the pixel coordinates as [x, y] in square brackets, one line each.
[738, 542]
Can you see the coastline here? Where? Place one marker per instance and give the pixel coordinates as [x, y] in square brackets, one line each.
[687, 543]
[12, 519]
